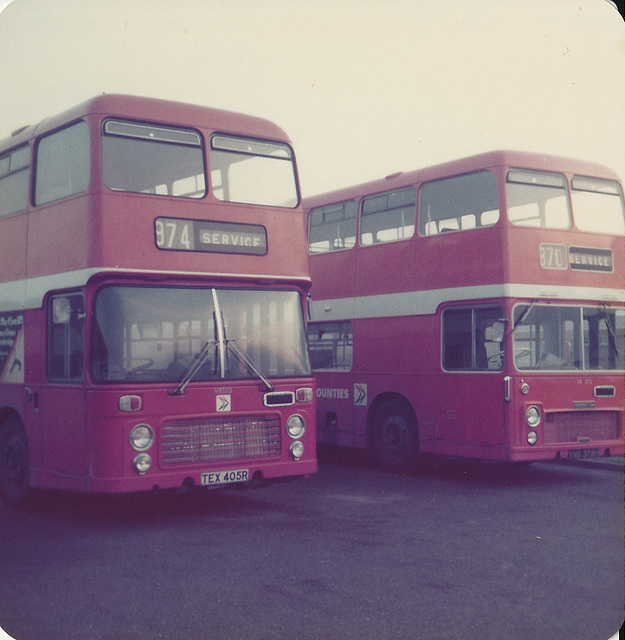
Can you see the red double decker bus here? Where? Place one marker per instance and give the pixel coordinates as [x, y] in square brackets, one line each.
[153, 275]
[471, 309]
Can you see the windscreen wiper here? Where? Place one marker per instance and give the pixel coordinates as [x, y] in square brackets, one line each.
[242, 357]
[611, 330]
[194, 367]
[522, 317]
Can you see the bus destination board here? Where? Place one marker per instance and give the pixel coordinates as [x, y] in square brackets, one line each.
[210, 236]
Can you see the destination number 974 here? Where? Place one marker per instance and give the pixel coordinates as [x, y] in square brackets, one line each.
[174, 234]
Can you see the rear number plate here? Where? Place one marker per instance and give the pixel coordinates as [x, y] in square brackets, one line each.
[582, 454]
[225, 477]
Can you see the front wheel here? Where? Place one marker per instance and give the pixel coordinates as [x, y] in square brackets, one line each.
[395, 440]
[14, 462]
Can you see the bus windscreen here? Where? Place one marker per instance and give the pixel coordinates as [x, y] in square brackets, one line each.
[154, 334]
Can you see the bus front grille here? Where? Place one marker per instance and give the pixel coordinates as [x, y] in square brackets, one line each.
[580, 426]
[220, 439]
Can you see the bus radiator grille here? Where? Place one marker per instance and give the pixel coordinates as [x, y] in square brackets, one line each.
[571, 426]
[220, 439]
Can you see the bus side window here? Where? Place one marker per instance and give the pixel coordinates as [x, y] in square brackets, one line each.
[457, 204]
[457, 341]
[62, 164]
[388, 217]
[332, 227]
[66, 323]
[14, 173]
[331, 345]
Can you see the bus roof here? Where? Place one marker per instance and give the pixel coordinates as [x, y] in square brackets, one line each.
[156, 111]
[490, 159]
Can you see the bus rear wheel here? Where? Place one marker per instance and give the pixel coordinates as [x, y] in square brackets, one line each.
[14, 462]
[395, 441]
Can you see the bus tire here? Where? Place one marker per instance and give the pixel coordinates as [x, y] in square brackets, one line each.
[14, 462]
[394, 438]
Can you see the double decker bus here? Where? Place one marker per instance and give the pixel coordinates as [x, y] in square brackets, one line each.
[153, 279]
[472, 309]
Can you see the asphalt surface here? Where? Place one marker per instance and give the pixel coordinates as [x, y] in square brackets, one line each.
[459, 551]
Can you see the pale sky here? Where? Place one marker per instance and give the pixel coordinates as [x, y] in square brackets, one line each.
[363, 88]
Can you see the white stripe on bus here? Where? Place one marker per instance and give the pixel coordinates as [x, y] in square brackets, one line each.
[408, 303]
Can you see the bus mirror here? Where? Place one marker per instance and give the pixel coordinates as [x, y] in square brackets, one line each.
[61, 311]
[495, 332]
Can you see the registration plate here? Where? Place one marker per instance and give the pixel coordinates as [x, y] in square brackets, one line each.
[582, 454]
[225, 477]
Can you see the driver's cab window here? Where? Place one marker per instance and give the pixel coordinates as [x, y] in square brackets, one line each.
[66, 338]
[473, 339]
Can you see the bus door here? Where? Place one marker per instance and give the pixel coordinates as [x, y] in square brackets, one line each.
[60, 404]
[331, 354]
[470, 400]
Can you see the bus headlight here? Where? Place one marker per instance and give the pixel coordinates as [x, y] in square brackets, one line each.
[142, 463]
[532, 437]
[296, 450]
[532, 416]
[141, 437]
[295, 426]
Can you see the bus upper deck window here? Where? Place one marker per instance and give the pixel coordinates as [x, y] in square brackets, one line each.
[14, 175]
[388, 217]
[62, 164]
[332, 228]
[253, 172]
[459, 203]
[143, 158]
[537, 199]
[598, 205]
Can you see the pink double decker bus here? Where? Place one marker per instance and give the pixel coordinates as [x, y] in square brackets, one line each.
[471, 309]
[153, 275]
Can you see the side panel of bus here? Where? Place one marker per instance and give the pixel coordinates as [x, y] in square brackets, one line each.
[450, 408]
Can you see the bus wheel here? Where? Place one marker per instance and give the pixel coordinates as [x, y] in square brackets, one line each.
[394, 439]
[14, 462]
